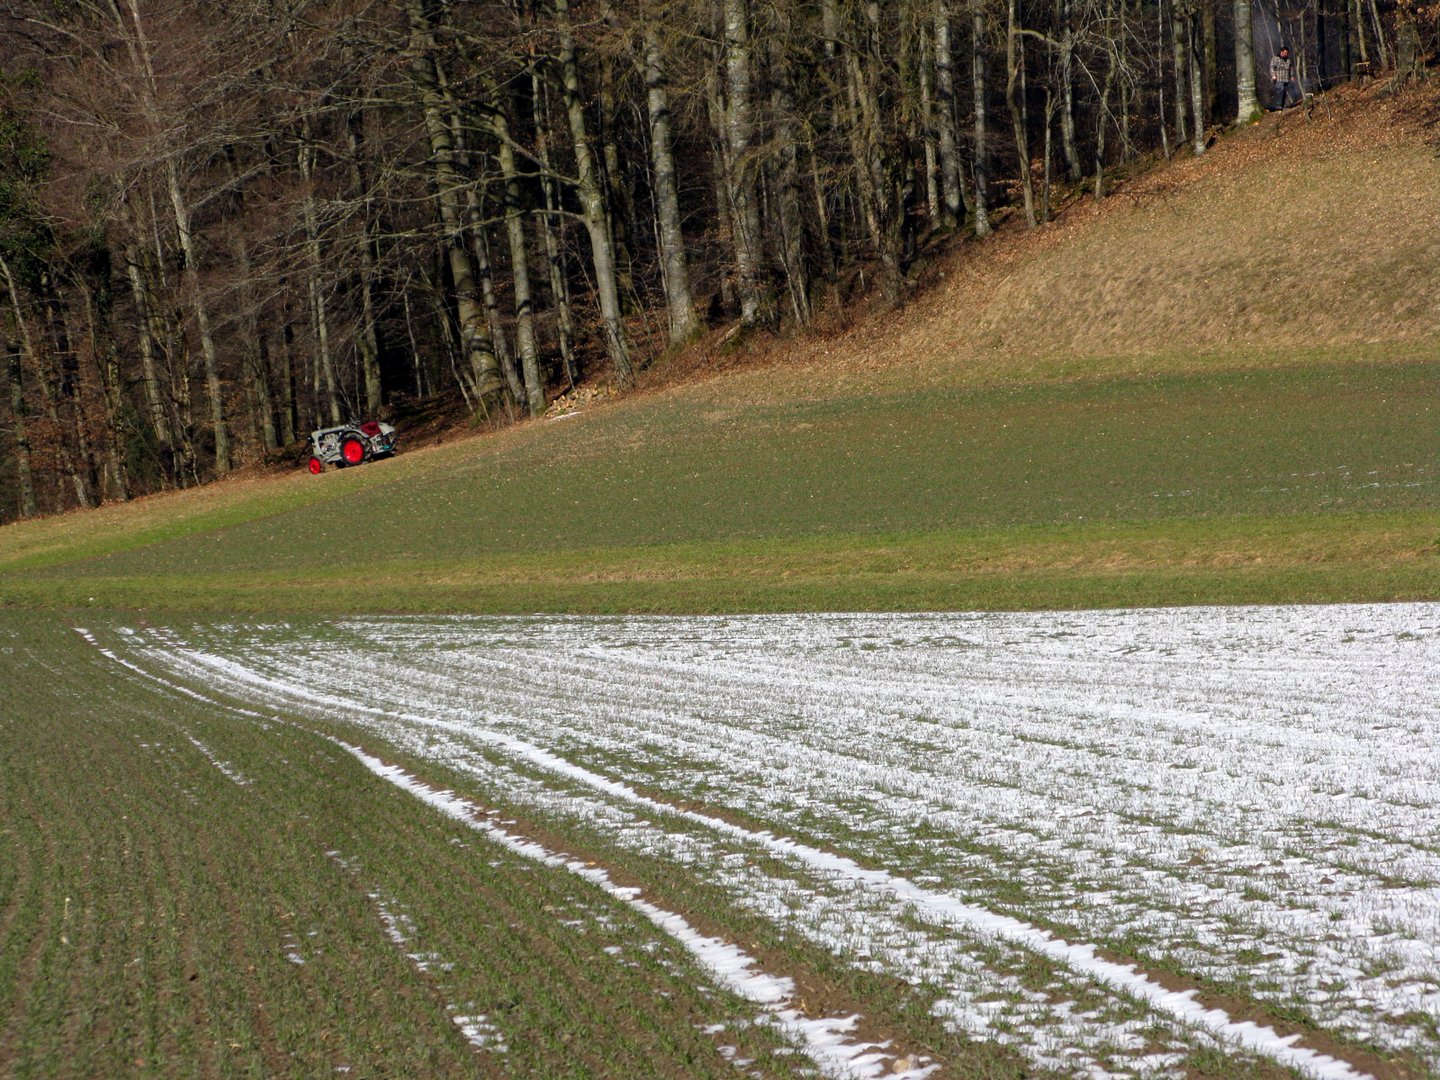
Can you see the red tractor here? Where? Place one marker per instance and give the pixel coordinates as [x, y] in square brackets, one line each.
[350, 444]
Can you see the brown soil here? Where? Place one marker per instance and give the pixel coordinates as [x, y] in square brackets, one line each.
[1243, 1009]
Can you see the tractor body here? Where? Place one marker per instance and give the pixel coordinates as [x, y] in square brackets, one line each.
[350, 444]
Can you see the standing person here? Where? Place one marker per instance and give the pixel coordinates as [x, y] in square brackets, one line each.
[1281, 70]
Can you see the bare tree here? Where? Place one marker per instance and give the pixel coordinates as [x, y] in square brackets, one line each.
[675, 270]
[19, 412]
[739, 136]
[592, 201]
[485, 379]
[1246, 104]
[977, 62]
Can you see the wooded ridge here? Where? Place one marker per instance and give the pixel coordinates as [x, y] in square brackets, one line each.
[223, 224]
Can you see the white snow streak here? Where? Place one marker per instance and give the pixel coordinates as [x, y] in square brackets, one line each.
[824, 1039]
[229, 771]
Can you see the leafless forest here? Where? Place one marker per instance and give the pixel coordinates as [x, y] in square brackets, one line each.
[225, 223]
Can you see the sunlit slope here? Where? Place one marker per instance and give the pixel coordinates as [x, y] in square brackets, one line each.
[1300, 239]
[1299, 235]
[667, 472]
[1221, 385]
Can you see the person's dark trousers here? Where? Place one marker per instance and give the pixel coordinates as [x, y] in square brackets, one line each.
[1283, 93]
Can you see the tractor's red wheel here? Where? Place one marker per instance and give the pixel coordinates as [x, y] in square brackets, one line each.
[352, 451]
[317, 466]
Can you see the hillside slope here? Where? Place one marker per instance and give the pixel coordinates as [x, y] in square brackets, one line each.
[1217, 385]
[1307, 236]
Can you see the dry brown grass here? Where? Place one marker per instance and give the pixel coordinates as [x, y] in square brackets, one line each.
[1313, 235]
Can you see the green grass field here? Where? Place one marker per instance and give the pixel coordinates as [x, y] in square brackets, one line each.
[1290, 484]
[182, 895]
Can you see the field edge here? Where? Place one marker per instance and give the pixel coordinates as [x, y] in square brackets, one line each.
[1326, 558]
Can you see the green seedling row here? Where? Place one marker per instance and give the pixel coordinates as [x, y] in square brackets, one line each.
[161, 917]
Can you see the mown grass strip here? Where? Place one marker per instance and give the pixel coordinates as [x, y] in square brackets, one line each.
[1315, 558]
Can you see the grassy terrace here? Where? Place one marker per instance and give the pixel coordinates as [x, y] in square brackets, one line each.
[1264, 485]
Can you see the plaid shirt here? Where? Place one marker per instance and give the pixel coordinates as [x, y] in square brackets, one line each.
[1280, 69]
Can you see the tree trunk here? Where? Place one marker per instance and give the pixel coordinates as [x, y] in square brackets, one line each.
[592, 202]
[787, 175]
[739, 132]
[1014, 98]
[256, 353]
[478, 234]
[264, 400]
[485, 274]
[105, 355]
[369, 337]
[982, 175]
[1409, 52]
[319, 307]
[148, 340]
[1211, 57]
[619, 195]
[72, 388]
[1247, 107]
[675, 270]
[866, 140]
[289, 412]
[519, 259]
[1382, 48]
[48, 390]
[1357, 22]
[475, 337]
[720, 170]
[201, 310]
[24, 475]
[1197, 89]
[171, 370]
[951, 185]
[1102, 114]
[1161, 127]
[555, 267]
[1068, 144]
[929, 133]
[1177, 48]
[1127, 87]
